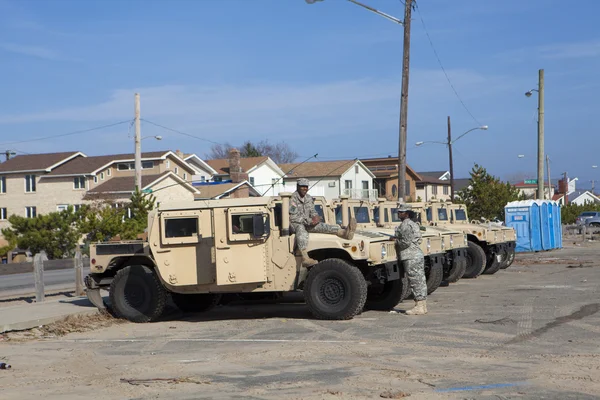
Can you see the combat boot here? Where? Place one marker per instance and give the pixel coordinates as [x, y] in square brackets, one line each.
[419, 309]
[348, 233]
[306, 260]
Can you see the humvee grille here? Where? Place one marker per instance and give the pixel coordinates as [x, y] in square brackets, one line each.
[119, 248]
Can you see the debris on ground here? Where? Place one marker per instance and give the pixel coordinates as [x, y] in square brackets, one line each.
[394, 395]
[71, 324]
[501, 321]
[5, 366]
[146, 382]
[580, 266]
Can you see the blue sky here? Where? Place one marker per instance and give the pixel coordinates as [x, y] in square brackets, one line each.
[324, 78]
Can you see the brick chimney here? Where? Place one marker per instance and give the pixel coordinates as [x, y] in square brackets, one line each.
[235, 169]
[179, 153]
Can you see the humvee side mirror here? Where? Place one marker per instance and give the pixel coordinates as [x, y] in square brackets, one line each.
[261, 226]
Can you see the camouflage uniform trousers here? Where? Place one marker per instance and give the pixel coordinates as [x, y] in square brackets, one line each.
[415, 271]
[302, 231]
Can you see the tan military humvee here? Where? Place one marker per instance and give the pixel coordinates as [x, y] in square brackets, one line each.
[490, 246]
[197, 251]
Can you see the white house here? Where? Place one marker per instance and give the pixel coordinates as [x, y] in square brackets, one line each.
[263, 173]
[332, 178]
[433, 185]
[586, 197]
[203, 171]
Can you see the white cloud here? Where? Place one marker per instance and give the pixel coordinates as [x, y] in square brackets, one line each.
[282, 110]
[33, 51]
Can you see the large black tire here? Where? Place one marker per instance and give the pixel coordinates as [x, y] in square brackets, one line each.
[197, 302]
[510, 258]
[137, 295]
[457, 270]
[475, 261]
[492, 264]
[385, 297]
[335, 290]
[434, 276]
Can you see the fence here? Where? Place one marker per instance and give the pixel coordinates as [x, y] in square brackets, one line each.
[38, 274]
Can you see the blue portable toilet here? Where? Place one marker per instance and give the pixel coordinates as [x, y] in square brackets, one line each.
[557, 224]
[545, 226]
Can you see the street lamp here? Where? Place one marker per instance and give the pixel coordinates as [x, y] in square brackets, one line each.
[540, 168]
[408, 4]
[449, 143]
[157, 137]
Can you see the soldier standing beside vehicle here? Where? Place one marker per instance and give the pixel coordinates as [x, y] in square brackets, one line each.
[304, 219]
[408, 238]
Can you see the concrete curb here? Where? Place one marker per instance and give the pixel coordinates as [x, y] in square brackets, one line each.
[27, 316]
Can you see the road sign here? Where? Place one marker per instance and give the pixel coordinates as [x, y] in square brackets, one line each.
[147, 191]
[530, 181]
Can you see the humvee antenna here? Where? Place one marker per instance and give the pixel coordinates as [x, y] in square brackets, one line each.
[277, 181]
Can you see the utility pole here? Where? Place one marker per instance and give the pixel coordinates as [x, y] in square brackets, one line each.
[549, 180]
[9, 153]
[404, 103]
[451, 163]
[593, 185]
[138, 144]
[540, 169]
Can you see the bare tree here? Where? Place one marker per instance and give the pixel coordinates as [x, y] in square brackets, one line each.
[280, 152]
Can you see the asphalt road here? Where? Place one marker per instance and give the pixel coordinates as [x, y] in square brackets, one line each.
[15, 285]
[529, 332]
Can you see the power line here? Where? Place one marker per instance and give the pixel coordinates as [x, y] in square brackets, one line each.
[443, 69]
[180, 132]
[66, 134]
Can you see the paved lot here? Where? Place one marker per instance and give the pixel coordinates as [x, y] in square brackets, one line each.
[528, 332]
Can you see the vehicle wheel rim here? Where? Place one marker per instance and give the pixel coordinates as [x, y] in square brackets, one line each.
[332, 291]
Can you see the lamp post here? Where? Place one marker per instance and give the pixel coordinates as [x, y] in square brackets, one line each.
[540, 156]
[449, 143]
[408, 4]
[593, 180]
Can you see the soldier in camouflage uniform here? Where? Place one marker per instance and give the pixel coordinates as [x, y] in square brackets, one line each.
[304, 219]
[408, 238]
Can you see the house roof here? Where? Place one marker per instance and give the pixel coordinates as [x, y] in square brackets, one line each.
[217, 191]
[431, 180]
[124, 184]
[189, 157]
[319, 168]
[388, 169]
[432, 174]
[38, 162]
[90, 165]
[557, 197]
[577, 194]
[460, 184]
[221, 165]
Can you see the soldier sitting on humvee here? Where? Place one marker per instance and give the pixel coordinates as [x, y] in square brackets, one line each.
[304, 218]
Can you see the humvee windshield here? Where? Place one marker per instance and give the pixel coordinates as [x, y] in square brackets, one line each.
[338, 215]
[361, 214]
[181, 227]
[442, 214]
[376, 214]
[429, 216]
[395, 217]
[461, 215]
[319, 209]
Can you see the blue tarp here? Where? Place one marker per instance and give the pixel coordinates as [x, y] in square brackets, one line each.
[537, 224]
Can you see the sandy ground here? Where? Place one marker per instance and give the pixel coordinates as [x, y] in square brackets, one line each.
[532, 331]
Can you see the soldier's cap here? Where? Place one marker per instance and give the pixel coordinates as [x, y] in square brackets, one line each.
[302, 182]
[403, 207]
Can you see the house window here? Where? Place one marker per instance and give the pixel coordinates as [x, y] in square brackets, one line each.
[356, 169]
[146, 165]
[2, 184]
[168, 164]
[101, 176]
[79, 182]
[61, 207]
[252, 180]
[407, 188]
[445, 190]
[184, 176]
[202, 178]
[123, 167]
[176, 171]
[108, 172]
[76, 207]
[3, 214]
[365, 185]
[30, 212]
[394, 190]
[29, 183]
[434, 189]
[95, 179]
[348, 184]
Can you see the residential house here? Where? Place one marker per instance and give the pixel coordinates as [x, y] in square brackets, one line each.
[225, 190]
[263, 173]
[434, 185]
[42, 183]
[385, 182]
[583, 197]
[203, 171]
[332, 178]
[529, 189]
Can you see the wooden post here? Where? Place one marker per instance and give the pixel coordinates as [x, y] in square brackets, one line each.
[78, 263]
[38, 274]
[404, 103]
[583, 233]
